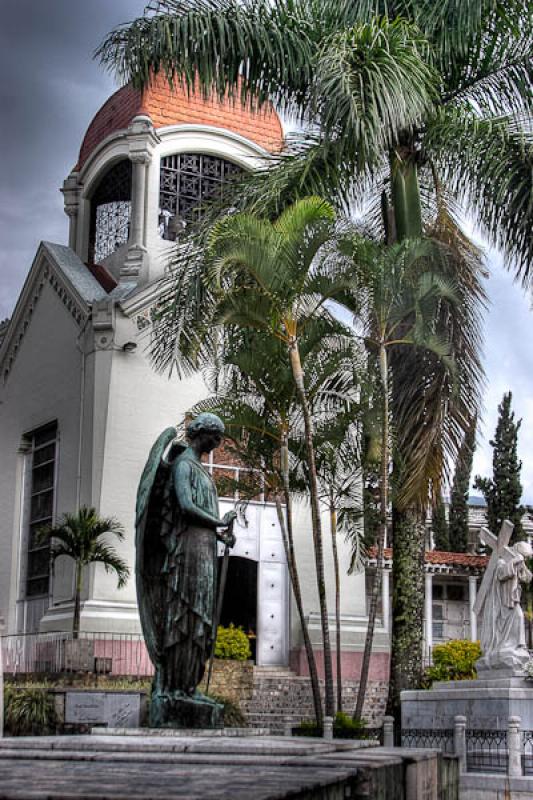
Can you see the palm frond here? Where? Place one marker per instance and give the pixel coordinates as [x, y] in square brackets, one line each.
[487, 164]
[374, 82]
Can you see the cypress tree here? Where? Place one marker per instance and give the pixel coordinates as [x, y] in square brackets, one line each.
[439, 526]
[502, 493]
[460, 488]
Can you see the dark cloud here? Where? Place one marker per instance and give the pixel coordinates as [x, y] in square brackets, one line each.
[50, 90]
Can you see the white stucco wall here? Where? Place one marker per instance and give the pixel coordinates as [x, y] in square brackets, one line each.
[43, 386]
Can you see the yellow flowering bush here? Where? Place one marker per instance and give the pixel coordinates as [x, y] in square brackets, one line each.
[232, 643]
[454, 661]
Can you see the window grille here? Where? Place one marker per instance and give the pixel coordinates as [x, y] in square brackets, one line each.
[43, 444]
[110, 212]
[186, 181]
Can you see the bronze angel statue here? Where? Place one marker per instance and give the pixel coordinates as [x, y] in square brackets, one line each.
[177, 527]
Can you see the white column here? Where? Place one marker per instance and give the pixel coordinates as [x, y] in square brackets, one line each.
[385, 599]
[138, 198]
[472, 592]
[141, 141]
[429, 612]
[71, 194]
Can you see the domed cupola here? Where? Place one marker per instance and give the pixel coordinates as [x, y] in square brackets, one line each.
[147, 161]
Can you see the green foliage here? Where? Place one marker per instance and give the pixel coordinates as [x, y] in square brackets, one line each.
[29, 712]
[439, 525]
[233, 715]
[503, 492]
[344, 727]
[459, 500]
[232, 643]
[454, 661]
[81, 537]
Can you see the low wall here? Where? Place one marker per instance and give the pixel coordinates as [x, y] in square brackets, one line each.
[351, 663]
[233, 680]
[495, 787]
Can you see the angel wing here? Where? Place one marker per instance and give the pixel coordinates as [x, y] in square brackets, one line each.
[155, 516]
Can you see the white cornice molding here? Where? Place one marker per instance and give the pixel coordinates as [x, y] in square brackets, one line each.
[221, 133]
[43, 271]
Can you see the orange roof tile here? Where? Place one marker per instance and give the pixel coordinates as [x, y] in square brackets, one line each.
[175, 106]
[442, 557]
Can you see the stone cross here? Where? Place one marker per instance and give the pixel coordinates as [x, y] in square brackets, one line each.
[500, 549]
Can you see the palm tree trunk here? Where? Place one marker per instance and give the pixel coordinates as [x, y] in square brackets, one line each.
[407, 607]
[298, 375]
[77, 602]
[408, 536]
[288, 543]
[405, 190]
[333, 520]
[383, 502]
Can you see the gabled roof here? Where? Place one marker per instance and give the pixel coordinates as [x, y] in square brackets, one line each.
[60, 267]
[73, 268]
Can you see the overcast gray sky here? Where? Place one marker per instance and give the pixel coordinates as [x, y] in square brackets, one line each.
[49, 92]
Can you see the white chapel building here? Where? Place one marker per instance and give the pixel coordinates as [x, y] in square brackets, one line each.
[80, 404]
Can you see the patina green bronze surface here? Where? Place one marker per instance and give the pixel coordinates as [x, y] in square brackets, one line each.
[177, 526]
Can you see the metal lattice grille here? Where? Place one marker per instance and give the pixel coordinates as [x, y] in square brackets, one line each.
[186, 181]
[41, 509]
[110, 212]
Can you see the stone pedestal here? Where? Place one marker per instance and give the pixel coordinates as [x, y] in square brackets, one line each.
[486, 703]
[181, 711]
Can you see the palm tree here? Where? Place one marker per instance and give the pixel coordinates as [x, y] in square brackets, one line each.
[399, 297]
[338, 461]
[80, 537]
[401, 101]
[256, 398]
[415, 109]
[265, 276]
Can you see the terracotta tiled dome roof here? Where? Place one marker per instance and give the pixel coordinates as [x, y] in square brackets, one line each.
[166, 106]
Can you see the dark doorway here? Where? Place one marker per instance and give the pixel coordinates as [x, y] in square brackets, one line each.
[240, 597]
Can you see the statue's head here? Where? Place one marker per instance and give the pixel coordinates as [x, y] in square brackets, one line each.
[206, 430]
[524, 549]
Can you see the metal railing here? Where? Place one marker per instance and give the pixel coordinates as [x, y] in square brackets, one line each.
[527, 752]
[424, 737]
[486, 751]
[99, 653]
[501, 752]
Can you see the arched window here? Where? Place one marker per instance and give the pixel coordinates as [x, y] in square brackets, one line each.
[186, 181]
[110, 212]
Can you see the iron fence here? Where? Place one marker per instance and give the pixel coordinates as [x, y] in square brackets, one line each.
[486, 751]
[99, 653]
[527, 753]
[428, 737]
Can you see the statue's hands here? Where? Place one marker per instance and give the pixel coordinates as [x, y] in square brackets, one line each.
[228, 538]
[228, 518]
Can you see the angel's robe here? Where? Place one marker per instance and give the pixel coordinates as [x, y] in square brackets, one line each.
[190, 571]
[503, 641]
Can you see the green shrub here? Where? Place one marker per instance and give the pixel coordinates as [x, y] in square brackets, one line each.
[233, 716]
[232, 643]
[29, 712]
[344, 727]
[454, 661]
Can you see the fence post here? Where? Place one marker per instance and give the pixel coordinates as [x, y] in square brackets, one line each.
[388, 731]
[459, 740]
[287, 725]
[514, 766]
[328, 728]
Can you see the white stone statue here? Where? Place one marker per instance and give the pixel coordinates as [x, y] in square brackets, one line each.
[503, 640]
